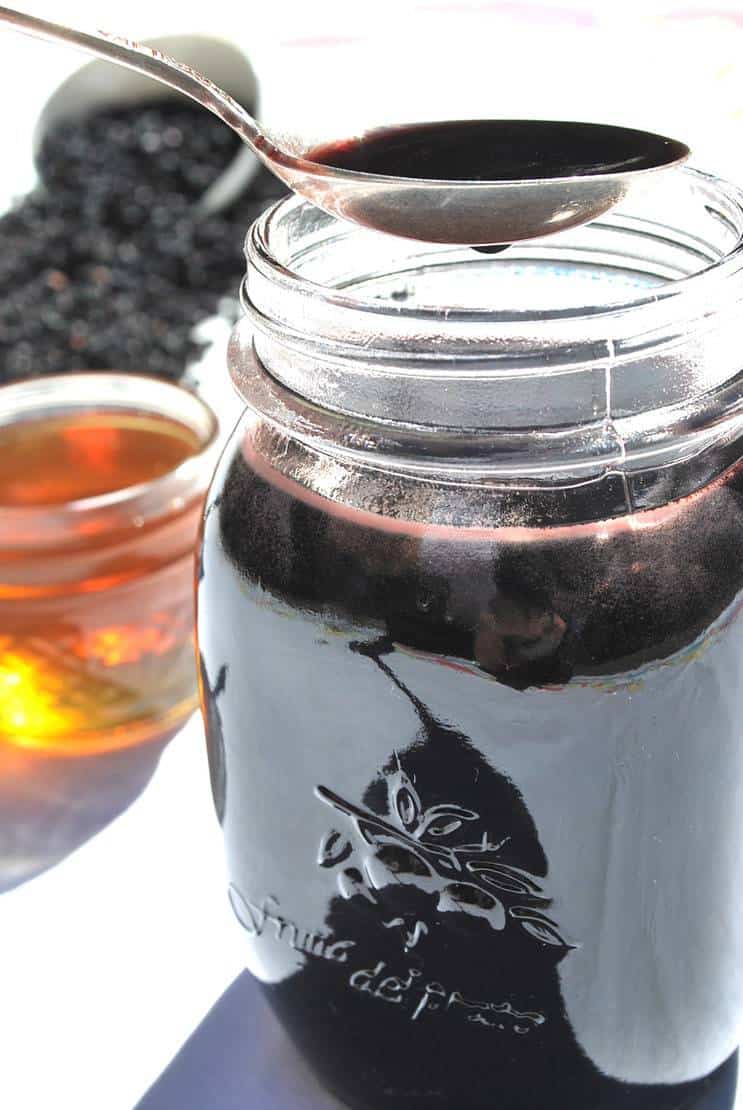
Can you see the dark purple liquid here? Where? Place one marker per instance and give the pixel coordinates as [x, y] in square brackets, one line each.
[544, 612]
[498, 150]
[532, 606]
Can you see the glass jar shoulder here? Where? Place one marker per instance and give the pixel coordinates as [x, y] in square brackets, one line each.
[447, 568]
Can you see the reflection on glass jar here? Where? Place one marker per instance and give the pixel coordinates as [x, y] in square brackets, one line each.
[470, 635]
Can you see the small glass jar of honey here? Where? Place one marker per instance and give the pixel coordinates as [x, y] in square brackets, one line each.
[102, 480]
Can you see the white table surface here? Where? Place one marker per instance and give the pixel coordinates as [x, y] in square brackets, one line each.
[111, 960]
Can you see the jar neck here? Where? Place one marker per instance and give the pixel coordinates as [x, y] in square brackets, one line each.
[613, 346]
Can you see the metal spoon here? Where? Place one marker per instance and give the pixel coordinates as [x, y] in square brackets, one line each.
[571, 173]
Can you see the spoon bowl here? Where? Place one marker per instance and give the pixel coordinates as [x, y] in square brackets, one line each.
[530, 178]
[515, 179]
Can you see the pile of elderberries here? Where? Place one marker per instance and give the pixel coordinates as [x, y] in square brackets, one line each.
[108, 264]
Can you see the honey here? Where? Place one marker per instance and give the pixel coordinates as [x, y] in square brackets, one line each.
[56, 459]
[98, 528]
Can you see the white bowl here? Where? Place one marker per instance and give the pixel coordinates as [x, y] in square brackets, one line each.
[101, 85]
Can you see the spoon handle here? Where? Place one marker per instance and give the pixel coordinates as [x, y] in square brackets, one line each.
[154, 64]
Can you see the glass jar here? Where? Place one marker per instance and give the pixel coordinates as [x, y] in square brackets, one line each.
[96, 587]
[468, 615]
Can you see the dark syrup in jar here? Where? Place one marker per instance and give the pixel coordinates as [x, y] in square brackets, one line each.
[453, 993]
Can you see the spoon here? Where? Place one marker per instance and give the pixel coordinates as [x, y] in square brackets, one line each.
[475, 183]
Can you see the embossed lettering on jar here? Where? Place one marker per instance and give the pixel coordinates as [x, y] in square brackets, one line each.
[468, 614]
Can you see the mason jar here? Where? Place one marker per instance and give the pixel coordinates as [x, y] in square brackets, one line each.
[469, 623]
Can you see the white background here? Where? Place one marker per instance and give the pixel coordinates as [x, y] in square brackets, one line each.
[330, 65]
[109, 960]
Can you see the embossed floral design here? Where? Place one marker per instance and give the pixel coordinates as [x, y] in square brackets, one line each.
[427, 848]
